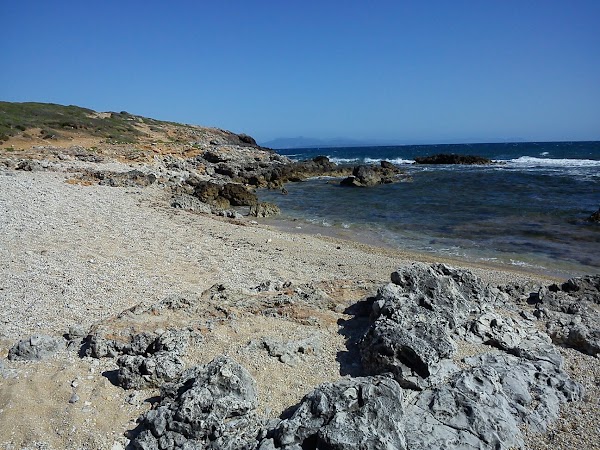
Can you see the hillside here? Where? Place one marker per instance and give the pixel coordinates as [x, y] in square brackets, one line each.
[30, 126]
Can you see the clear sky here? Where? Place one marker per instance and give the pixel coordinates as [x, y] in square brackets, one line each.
[430, 71]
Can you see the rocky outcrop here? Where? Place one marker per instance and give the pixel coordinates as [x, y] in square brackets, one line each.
[419, 390]
[210, 407]
[365, 176]
[415, 317]
[35, 348]
[190, 203]
[224, 196]
[264, 209]
[148, 360]
[119, 179]
[571, 313]
[445, 158]
[361, 413]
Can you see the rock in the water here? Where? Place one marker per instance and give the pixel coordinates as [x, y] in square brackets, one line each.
[35, 348]
[444, 158]
[595, 217]
[264, 209]
[365, 176]
[211, 406]
[359, 413]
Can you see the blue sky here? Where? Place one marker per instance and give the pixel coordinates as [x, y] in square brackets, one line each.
[427, 71]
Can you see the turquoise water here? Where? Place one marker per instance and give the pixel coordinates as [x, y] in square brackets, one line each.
[527, 209]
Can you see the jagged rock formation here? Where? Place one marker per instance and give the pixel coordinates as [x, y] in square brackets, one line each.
[421, 393]
[444, 158]
[147, 360]
[211, 406]
[35, 348]
[360, 413]
[572, 314]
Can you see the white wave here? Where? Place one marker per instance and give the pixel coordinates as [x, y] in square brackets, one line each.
[529, 161]
[397, 161]
[544, 153]
[343, 160]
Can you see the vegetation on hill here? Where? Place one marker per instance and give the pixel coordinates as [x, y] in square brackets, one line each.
[52, 120]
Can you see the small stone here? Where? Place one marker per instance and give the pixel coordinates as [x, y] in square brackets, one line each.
[74, 398]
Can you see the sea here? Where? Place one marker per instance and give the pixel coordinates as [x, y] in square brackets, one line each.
[528, 209]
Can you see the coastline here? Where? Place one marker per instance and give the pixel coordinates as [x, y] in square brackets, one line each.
[81, 255]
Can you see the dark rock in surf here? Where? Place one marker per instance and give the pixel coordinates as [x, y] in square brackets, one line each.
[366, 176]
[595, 218]
[446, 158]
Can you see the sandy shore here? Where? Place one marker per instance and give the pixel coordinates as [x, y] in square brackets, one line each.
[76, 255]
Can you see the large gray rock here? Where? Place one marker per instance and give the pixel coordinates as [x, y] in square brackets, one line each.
[359, 413]
[571, 313]
[35, 348]
[211, 406]
[482, 407]
[414, 318]
[148, 360]
[140, 372]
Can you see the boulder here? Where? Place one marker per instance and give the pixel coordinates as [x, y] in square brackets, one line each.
[190, 203]
[414, 319]
[224, 196]
[211, 406]
[140, 372]
[35, 348]
[238, 195]
[484, 405]
[264, 209]
[365, 176]
[358, 413]
[445, 158]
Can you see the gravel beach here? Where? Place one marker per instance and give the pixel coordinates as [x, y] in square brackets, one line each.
[76, 255]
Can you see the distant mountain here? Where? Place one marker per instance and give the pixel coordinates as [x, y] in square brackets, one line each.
[305, 142]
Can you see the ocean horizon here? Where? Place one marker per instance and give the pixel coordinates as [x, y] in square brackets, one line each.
[527, 209]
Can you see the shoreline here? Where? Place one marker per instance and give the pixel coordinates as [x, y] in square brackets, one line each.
[84, 255]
